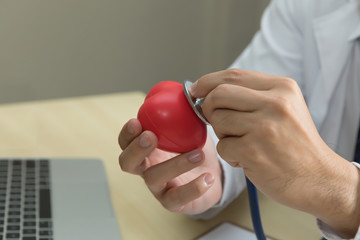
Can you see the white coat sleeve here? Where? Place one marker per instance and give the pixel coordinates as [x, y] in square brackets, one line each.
[275, 49]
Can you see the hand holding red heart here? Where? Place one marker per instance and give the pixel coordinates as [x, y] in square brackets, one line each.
[181, 182]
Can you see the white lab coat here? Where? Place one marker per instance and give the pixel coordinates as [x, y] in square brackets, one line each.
[311, 41]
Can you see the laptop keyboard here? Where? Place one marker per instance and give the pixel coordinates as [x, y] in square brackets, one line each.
[25, 209]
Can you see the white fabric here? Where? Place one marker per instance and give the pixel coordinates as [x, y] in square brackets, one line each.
[312, 42]
[331, 234]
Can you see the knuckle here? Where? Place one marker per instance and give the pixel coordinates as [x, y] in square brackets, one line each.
[122, 164]
[128, 163]
[223, 122]
[268, 129]
[149, 178]
[219, 92]
[124, 140]
[213, 100]
[202, 80]
[221, 148]
[280, 104]
[234, 157]
[121, 141]
[216, 117]
[289, 84]
[128, 133]
[233, 75]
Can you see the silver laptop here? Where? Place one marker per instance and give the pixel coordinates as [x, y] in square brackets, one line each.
[57, 199]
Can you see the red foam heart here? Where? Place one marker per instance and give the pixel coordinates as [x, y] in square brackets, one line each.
[167, 112]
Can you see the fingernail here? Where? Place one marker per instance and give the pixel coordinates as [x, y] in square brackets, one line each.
[130, 129]
[192, 88]
[144, 141]
[195, 156]
[209, 179]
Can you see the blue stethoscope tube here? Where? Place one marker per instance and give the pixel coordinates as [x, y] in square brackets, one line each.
[254, 209]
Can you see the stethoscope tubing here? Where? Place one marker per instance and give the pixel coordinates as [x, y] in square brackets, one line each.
[255, 211]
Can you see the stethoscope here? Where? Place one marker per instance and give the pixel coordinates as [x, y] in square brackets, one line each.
[196, 104]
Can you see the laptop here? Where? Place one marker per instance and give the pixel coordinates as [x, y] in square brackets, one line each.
[55, 199]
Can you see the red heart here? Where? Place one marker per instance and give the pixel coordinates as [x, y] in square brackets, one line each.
[167, 112]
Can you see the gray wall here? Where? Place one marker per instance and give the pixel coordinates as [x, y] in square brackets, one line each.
[61, 48]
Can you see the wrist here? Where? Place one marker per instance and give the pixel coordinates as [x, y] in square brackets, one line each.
[336, 197]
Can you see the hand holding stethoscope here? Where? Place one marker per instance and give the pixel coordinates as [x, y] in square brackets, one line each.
[264, 126]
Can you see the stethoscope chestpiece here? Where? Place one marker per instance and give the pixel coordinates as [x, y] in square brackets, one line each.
[195, 103]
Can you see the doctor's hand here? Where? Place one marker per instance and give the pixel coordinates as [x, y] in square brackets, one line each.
[188, 183]
[264, 126]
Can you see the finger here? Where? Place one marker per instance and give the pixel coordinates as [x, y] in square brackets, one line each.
[158, 175]
[228, 153]
[134, 154]
[240, 152]
[244, 78]
[232, 97]
[176, 198]
[227, 122]
[129, 131]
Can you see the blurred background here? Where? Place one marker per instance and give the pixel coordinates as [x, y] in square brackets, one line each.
[64, 48]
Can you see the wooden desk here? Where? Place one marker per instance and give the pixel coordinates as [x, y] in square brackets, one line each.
[88, 127]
